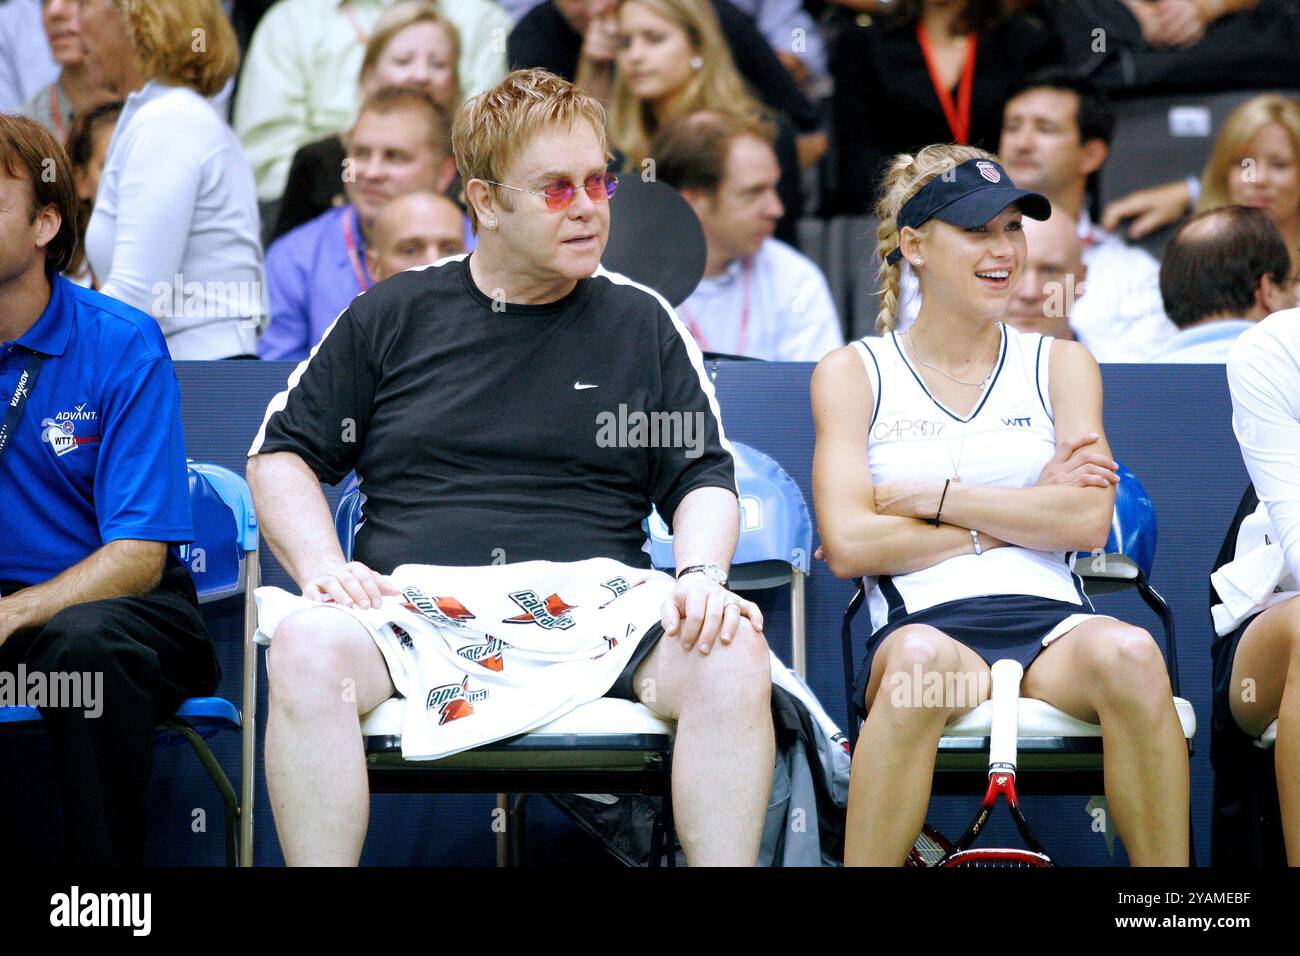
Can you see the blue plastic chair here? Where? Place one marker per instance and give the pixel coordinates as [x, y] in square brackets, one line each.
[1128, 557]
[775, 544]
[223, 562]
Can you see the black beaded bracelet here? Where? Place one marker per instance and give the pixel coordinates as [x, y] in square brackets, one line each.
[935, 520]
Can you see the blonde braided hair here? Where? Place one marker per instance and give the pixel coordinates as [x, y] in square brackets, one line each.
[907, 174]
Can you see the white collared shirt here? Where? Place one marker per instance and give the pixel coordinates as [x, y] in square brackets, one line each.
[1120, 317]
[300, 80]
[791, 317]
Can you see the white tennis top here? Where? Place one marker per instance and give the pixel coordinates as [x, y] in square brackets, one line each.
[1006, 441]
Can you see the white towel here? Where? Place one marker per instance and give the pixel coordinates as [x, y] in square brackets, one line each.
[1256, 579]
[484, 653]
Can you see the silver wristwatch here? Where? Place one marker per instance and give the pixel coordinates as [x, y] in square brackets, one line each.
[712, 571]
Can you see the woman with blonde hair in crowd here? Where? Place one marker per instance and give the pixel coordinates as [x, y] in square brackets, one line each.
[673, 60]
[175, 227]
[1255, 162]
[937, 476]
[413, 45]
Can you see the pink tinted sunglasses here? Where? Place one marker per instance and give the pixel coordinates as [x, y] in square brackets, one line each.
[560, 193]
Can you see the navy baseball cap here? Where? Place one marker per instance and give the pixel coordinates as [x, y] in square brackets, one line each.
[968, 195]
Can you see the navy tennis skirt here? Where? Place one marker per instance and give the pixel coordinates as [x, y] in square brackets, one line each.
[994, 627]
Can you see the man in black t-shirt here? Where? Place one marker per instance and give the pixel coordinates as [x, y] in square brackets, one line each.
[498, 404]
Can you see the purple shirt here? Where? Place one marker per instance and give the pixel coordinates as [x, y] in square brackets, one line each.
[311, 278]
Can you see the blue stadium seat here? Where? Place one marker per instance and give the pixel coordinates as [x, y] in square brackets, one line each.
[222, 560]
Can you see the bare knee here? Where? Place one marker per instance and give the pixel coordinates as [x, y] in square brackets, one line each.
[917, 659]
[313, 661]
[1126, 670]
[736, 673]
[924, 647]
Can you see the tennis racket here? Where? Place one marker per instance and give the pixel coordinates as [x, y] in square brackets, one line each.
[931, 849]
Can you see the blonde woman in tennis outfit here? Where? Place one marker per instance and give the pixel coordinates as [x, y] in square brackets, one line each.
[963, 508]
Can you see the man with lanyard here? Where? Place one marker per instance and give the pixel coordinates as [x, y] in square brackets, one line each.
[93, 489]
[759, 297]
[477, 388]
[401, 143]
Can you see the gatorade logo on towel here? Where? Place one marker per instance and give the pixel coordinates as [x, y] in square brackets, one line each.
[550, 614]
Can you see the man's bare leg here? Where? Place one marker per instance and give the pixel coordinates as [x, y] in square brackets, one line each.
[724, 750]
[325, 671]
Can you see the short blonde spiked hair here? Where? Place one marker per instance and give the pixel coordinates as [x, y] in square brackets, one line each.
[493, 128]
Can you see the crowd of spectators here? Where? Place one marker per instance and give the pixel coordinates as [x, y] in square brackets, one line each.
[213, 180]
[831, 88]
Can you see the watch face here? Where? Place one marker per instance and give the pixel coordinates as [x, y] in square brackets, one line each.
[711, 571]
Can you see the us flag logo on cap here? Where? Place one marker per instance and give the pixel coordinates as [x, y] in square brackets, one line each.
[989, 172]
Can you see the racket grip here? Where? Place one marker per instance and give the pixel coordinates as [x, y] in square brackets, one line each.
[1006, 712]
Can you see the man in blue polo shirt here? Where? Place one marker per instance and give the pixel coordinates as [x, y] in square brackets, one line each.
[93, 489]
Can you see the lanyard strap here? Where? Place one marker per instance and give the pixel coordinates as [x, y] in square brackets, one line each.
[358, 28]
[746, 267]
[22, 391]
[958, 115]
[56, 114]
[354, 257]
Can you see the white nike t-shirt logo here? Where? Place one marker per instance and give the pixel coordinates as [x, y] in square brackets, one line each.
[579, 385]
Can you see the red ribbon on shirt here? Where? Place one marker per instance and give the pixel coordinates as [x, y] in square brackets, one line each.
[958, 115]
[354, 256]
[56, 114]
[363, 37]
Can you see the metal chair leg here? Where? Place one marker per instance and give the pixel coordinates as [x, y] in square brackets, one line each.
[502, 818]
[219, 780]
[1158, 604]
[846, 642]
[519, 829]
[657, 835]
[248, 712]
